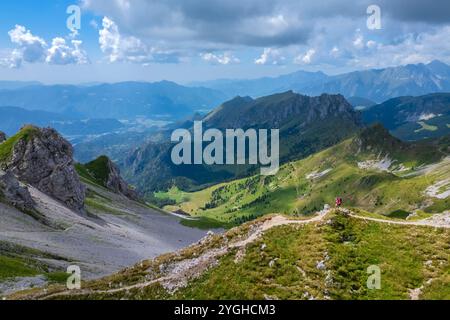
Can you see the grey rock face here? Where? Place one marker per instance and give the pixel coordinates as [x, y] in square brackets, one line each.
[15, 194]
[116, 183]
[2, 136]
[45, 161]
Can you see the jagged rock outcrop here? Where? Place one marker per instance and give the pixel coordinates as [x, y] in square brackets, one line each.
[2, 136]
[14, 193]
[102, 171]
[117, 184]
[44, 159]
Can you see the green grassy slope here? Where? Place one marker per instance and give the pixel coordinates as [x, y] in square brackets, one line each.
[96, 171]
[408, 257]
[19, 261]
[347, 170]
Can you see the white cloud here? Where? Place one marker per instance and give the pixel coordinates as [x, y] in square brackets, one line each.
[270, 56]
[33, 49]
[13, 60]
[411, 49]
[122, 48]
[334, 52]
[306, 58]
[225, 58]
[358, 42]
[60, 53]
[371, 44]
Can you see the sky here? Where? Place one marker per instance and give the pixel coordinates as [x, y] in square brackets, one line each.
[197, 40]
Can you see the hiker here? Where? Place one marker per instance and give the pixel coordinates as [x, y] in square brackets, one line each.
[338, 202]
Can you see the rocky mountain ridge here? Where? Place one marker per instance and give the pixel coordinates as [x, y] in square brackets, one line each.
[44, 159]
[375, 84]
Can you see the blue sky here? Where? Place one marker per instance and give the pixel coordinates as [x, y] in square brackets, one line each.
[183, 41]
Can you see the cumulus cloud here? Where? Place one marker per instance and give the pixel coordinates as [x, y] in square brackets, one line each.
[270, 56]
[305, 58]
[12, 60]
[224, 59]
[358, 42]
[34, 49]
[121, 48]
[61, 53]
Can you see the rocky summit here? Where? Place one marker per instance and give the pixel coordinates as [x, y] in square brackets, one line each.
[44, 159]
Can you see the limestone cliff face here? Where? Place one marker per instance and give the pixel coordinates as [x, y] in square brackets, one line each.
[44, 160]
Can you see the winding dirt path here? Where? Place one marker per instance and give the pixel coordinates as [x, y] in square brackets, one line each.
[186, 270]
[443, 222]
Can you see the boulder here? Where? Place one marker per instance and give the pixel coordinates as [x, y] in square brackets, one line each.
[14, 193]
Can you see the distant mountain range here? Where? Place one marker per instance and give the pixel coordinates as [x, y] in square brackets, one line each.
[125, 100]
[172, 101]
[377, 84]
